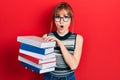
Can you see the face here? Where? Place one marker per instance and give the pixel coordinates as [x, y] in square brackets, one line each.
[62, 21]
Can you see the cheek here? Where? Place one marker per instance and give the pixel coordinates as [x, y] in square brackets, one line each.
[56, 23]
[68, 24]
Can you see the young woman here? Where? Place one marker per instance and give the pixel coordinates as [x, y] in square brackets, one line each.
[69, 45]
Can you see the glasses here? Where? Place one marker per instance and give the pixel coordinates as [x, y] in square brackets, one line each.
[58, 18]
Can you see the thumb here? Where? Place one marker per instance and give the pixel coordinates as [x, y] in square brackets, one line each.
[44, 36]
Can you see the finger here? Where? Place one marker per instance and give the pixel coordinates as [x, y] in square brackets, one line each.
[48, 38]
[44, 36]
[51, 39]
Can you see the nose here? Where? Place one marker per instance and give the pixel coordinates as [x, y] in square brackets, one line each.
[61, 20]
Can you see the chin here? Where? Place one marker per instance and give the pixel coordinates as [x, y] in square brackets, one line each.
[61, 31]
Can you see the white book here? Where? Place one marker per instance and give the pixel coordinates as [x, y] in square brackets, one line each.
[36, 41]
[40, 66]
[38, 70]
[47, 70]
[36, 55]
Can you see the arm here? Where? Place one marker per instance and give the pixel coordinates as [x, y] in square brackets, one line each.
[71, 60]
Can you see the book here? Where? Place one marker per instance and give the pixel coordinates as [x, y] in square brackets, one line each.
[40, 66]
[36, 49]
[36, 60]
[36, 41]
[38, 70]
[36, 55]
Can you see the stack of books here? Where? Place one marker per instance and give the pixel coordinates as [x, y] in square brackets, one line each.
[37, 54]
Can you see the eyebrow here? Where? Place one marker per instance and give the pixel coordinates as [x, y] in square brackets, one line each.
[63, 15]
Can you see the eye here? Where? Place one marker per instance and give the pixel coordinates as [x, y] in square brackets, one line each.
[57, 16]
[66, 16]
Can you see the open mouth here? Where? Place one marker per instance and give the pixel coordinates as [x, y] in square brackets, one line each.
[61, 26]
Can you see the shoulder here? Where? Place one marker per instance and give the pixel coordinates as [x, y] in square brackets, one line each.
[79, 42]
[79, 38]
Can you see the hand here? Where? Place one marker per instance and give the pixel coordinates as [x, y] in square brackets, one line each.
[52, 38]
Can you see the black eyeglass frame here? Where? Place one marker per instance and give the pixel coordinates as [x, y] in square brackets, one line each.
[65, 18]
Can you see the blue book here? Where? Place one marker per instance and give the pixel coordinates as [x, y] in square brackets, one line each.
[34, 49]
[38, 70]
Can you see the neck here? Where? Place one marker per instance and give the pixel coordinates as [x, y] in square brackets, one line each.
[62, 33]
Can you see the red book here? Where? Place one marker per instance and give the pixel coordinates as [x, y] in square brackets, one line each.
[36, 60]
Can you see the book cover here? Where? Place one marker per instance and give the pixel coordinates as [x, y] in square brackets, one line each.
[36, 55]
[41, 66]
[36, 41]
[36, 49]
[36, 60]
[38, 70]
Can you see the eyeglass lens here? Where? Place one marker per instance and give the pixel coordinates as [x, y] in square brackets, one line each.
[65, 18]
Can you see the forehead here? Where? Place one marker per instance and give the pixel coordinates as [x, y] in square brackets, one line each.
[62, 12]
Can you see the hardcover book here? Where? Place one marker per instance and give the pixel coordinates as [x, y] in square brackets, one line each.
[36, 55]
[36, 49]
[41, 66]
[36, 41]
[38, 70]
[36, 60]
